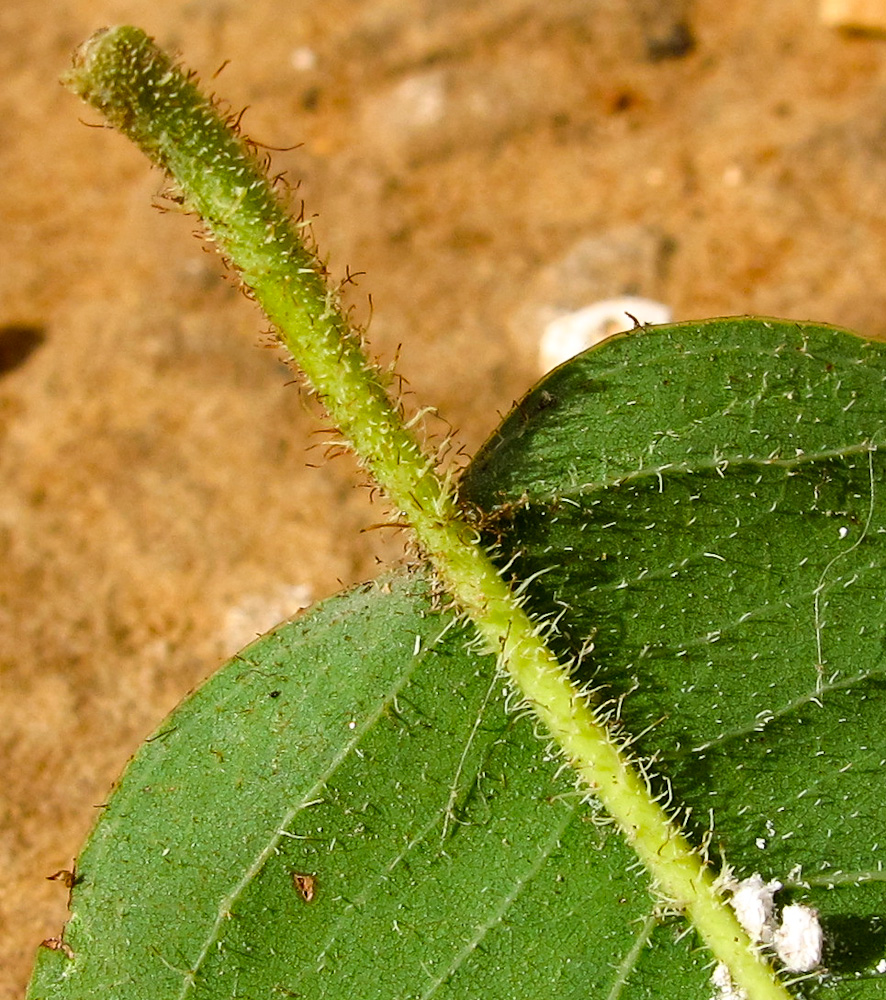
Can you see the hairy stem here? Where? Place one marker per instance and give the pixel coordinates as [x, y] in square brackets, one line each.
[142, 93]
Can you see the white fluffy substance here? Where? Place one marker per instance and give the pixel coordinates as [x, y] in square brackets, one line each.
[799, 940]
[722, 982]
[754, 903]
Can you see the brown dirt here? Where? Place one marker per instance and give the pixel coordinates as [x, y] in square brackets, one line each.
[155, 507]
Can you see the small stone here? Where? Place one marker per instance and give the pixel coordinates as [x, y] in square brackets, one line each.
[575, 332]
[624, 261]
[303, 59]
[255, 614]
[854, 15]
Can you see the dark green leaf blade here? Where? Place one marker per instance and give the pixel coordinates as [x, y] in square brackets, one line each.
[705, 507]
[689, 396]
[361, 757]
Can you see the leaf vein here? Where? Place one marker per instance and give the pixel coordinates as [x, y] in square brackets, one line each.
[310, 798]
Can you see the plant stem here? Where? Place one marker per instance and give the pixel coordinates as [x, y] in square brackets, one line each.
[141, 92]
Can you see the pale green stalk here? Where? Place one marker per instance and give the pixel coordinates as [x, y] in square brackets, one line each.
[122, 73]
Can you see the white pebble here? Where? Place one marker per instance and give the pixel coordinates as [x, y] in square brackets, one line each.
[575, 332]
[255, 614]
[303, 59]
[854, 15]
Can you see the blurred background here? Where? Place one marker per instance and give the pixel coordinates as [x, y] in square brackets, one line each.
[490, 167]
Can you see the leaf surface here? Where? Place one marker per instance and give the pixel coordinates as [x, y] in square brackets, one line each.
[364, 748]
[703, 507]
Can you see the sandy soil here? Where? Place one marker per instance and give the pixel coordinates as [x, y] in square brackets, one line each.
[483, 163]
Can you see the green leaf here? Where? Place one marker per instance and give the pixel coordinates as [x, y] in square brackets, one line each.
[703, 506]
[362, 746]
